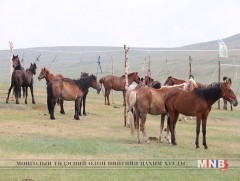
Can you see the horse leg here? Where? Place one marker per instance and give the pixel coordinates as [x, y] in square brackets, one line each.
[26, 95]
[124, 101]
[16, 89]
[161, 127]
[19, 92]
[171, 126]
[224, 104]
[204, 130]
[31, 88]
[80, 107]
[137, 114]
[77, 109]
[61, 106]
[108, 93]
[142, 127]
[24, 91]
[53, 103]
[197, 131]
[9, 91]
[84, 103]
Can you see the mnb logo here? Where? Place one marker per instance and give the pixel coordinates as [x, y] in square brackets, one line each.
[221, 164]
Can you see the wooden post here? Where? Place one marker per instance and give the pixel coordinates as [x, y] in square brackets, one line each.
[149, 68]
[11, 67]
[126, 84]
[219, 77]
[190, 66]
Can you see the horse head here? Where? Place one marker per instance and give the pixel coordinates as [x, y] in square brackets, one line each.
[228, 95]
[136, 77]
[33, 68]
[168, 81]
[15, 61]
[95, 84]
[43, 73]
[227, 80]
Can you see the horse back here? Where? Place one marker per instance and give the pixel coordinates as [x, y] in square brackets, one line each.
[113, 82]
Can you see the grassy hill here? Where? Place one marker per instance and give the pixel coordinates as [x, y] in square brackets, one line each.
[71, 61]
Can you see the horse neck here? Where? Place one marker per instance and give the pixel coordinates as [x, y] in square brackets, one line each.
[49, 77]
[177, 81]
[210, 95]
[130, 79]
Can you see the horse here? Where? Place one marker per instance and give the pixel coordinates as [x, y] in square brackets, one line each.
[148, 101]
[196, 103]
[49, 77]
[174, 81]
[117, 84]
[229, 81]
[69, 90]
[152, 83]
[16, 64]
[20, 79]
[83, 101]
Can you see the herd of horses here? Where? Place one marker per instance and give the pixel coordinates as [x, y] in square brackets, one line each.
[147, 96]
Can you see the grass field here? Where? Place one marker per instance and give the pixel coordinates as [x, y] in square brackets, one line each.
[27, 134]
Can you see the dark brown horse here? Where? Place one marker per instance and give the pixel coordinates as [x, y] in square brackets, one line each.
[152, 83]
[20, 79]
[83, 101]
[196, 103]
[49, 77]
[70, 90]
[174, 81]
[16, 64]
[117, 84]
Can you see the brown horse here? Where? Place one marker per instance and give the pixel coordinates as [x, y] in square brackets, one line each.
[20, 79]
[228, 81]
[117, 84]
[49, 77]
[196, 103]
[70, 90]
[148, 101]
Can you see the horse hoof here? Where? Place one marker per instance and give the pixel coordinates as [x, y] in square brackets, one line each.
[76, 118]
[205, 147]
[84, 114]
[174, 143]
[197, 146]
[62, 112]
[34, 102]
[53, 118]
[17, 102]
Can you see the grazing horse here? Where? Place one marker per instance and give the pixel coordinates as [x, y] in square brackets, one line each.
[70, 90]
[148, 101]
[83, 101]
[16, 64]
[229, 81]
[117, 84]
[49, 77]
[20, 79]
[196, 103]
[152, 83]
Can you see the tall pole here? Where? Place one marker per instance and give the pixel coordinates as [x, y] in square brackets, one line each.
[126, 85]
[149, 69]
[190, 66]
[219, 76]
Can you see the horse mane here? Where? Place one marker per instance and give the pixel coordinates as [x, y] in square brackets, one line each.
[85, 82]
[209, 93]
[48, 71]
[32, 68]
[129, 75]
[176, 78]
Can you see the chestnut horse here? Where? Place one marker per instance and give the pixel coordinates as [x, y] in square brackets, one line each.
[148, 100]
[49, 77]
[21, 78]
[70, 90]
[196, 103]
[117, 84]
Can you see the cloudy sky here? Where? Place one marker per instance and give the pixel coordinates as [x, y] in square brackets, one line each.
[139, 23]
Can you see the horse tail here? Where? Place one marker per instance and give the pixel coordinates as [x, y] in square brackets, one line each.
[101, 80]
[49, 97]
[132, 100]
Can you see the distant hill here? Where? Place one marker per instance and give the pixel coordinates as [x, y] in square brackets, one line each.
[71, 61]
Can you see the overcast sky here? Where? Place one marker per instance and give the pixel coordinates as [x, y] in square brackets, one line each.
[136, 23]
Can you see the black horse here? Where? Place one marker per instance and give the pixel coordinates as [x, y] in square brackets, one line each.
[21, 78]
[16, 64]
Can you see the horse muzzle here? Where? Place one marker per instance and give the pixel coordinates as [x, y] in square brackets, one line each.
[234, 102]
[98, 91]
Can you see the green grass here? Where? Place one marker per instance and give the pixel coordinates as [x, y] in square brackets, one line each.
[27, 133]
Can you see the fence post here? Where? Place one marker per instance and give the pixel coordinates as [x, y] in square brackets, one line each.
[112, 75]
[190, 66]
[219, 77]
[126, 85]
